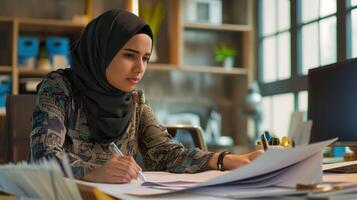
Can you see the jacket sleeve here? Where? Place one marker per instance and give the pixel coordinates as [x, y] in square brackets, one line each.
[161, 153]
[48, 135]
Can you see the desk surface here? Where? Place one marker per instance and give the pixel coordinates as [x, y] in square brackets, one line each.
[178, 181]
[120, 190]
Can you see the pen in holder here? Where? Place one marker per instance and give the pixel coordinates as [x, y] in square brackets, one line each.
[264, 142]
[275, 142]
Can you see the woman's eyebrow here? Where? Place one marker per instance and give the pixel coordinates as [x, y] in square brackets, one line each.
[135, 51]
[132, 50]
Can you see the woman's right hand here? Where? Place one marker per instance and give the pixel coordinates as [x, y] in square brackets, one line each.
[119, 169]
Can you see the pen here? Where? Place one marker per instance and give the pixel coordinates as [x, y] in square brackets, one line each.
[264, 142]
[114, 149]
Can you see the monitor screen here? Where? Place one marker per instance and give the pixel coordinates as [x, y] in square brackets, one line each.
[332, 102]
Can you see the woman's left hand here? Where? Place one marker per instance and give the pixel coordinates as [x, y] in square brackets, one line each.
[232, 161]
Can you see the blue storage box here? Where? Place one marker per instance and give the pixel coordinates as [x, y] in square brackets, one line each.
[28, 50]
[339, 151]
[5, 89]
[28, 47]
[57, 46]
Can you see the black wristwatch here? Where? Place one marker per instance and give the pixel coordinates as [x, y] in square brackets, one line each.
[220, 160]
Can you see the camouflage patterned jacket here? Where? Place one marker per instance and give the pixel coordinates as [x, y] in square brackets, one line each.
[59, 125]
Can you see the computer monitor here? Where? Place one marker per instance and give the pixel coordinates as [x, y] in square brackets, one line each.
[332, 102]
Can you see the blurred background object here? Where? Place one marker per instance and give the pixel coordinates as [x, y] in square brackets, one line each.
[206, 11]
[153, 14]
[252, 108]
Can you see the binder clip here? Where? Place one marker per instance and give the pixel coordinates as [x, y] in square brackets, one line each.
[286, 142]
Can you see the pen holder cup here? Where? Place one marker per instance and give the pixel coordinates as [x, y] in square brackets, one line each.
[260, 147]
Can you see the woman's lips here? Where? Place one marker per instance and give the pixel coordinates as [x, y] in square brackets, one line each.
[133, 81]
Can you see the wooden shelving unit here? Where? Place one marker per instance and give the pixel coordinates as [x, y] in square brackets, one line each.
[197, 44]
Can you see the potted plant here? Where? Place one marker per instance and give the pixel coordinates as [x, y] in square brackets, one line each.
[225, 54]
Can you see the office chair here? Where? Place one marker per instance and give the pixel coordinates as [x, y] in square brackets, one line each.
[190, 136]
[19, 109]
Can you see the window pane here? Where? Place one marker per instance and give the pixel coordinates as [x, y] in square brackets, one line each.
[283, 106]
[267, 113]
[354, 2]
[302, 101]
[327, 7]
[328, 40]
[354, 32]
[269, 16]
[310, 10]
[284, 15]
[269, 61]
[284, 55]
[310, 54]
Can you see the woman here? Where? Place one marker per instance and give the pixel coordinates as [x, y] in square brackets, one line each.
[81, 110]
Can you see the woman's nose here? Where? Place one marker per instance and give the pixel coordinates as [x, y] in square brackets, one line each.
[140, 66]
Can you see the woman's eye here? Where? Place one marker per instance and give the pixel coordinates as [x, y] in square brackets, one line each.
[146, 59]
[129, 55]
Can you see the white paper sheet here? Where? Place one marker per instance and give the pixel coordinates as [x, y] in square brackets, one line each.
[158, 177]
[271, 160]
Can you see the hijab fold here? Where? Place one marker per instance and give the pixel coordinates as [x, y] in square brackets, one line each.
[108, 110]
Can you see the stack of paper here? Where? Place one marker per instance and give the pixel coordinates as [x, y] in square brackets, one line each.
[276, 172]
[276, 167]
[43, 180]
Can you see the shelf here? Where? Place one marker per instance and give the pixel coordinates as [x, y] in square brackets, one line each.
[49, 22]
[45, 25]
[200, 69]
[33, 72]
[5, 69]
[6, 19]
[160, 66]
[202, 101]
[218, 27]
[215, 70]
